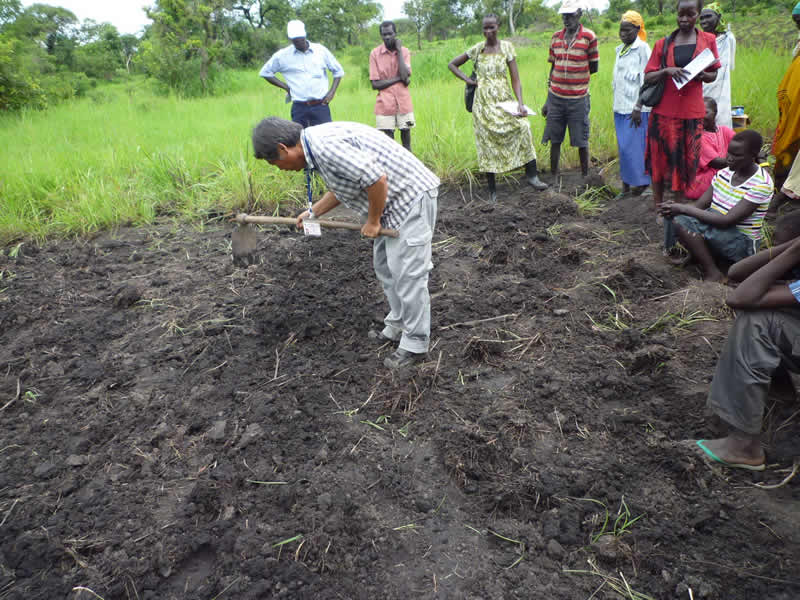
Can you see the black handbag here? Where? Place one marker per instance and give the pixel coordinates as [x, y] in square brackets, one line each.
[650, 94]
[469, 90]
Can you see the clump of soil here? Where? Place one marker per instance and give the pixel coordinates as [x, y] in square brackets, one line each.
[175, 427]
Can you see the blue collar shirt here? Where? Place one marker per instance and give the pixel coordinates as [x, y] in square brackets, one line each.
[305, 72]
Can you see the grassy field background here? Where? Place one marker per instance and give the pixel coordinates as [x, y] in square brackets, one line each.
[124, 154]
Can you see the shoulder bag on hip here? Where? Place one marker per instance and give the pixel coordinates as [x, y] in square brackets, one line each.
[650, 94]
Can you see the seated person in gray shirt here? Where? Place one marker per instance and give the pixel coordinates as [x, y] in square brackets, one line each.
[379, 179]
[765, 335]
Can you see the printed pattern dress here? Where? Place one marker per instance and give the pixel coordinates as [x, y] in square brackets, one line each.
[504, 142]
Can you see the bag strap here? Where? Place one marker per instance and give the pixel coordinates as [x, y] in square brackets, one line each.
[667, 41]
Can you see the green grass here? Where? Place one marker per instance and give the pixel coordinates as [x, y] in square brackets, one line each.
[125, 155]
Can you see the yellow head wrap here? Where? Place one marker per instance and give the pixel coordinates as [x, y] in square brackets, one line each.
[635, 18]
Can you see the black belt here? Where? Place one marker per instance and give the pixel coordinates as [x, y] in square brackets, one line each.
[309, 102]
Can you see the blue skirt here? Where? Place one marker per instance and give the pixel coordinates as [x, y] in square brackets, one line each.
[631, 144]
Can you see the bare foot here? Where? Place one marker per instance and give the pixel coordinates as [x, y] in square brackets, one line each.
[735, 450]
[716, 276]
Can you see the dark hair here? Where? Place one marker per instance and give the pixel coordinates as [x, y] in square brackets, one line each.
[788, 226]
[751, 139]
[388, 24]
[698, 3]
[273, 131]
[711, 101]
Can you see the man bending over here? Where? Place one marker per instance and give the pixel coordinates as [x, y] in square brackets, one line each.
[385, 183]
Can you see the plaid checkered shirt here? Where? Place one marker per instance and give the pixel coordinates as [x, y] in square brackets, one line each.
[350, 157]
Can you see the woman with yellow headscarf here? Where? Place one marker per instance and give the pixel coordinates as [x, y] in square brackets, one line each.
[631, 58]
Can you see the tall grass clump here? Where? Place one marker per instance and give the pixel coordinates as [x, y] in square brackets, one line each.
[126, 153]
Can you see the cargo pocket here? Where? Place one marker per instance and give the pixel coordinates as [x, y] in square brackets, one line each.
[418, 254]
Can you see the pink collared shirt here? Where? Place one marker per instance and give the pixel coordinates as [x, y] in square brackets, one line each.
[395, 99]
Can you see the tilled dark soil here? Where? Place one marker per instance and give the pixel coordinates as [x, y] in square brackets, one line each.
[173, 427]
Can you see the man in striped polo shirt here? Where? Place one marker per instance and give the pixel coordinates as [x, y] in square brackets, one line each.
[382, 181]
[573, 58]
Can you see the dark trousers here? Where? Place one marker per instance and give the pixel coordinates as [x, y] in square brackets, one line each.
[308, 115]
[759, 341]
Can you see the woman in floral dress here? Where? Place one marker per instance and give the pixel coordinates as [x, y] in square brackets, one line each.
[503, 140]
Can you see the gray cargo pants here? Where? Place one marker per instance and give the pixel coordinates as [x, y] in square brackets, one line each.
[402, 265]
[759, 341]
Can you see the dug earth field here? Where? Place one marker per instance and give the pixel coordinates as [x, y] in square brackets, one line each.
[173, 427]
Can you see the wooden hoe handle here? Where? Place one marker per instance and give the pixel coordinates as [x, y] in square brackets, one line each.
[244, 218]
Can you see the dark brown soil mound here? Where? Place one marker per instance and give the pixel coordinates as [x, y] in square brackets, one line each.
[173, 427]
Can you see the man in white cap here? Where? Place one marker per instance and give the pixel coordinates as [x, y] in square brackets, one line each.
[304, 66]
[573, 58]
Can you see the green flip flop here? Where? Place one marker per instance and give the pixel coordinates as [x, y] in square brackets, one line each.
[715, 458]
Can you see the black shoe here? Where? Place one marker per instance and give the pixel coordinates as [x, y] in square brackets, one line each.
[403, 358]
[374, 334]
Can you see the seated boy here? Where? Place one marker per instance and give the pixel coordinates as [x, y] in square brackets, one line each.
[726, 221]
[765, 335]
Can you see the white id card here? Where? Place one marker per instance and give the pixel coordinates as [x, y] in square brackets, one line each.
[312, 228]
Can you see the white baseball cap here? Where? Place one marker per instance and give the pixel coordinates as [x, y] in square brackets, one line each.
[295, 29]
[570, 6]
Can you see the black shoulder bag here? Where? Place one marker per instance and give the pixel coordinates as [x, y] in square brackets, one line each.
[469, 90]
[650, 94]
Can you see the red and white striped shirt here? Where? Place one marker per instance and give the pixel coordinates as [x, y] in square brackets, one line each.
[570, 76]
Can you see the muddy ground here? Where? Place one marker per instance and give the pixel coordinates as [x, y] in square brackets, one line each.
[174, 427]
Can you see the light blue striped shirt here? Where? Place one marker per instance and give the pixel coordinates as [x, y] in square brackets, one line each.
[350, 157]
[304, 72]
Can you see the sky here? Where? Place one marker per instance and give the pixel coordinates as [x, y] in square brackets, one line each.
[128, 17]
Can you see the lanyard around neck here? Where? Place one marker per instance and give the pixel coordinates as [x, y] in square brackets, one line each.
[308, 169]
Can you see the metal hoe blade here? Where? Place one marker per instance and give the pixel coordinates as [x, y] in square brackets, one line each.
[243, 243]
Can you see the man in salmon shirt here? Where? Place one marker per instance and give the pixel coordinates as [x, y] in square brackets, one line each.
[391, 77]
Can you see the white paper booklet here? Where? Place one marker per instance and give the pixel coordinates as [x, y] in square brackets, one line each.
[511, 108]
[699, 64]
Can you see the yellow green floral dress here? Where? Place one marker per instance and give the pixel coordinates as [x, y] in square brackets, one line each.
[504, 142]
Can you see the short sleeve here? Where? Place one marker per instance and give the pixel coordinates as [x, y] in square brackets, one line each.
[654, 62]
[646, 52]
[271, 67]
[551, 57]
[711, 39]
[473, 52]
[591, 51]
[333, 65]
[794, 287]
[374, 74]
[760, 193]
[407, 58]
[509, 53]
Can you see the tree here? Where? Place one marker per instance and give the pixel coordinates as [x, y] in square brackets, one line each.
[616, 8]
[263, 14]
[513, 9]
[100, 54]
[128, 44]
[9, 11]
[51, 27]
[420, 12]
[336, 22]
[186, 43]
